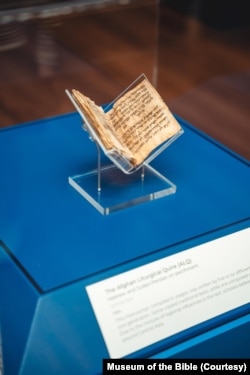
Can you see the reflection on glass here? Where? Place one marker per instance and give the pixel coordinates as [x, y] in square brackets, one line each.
[95, 46]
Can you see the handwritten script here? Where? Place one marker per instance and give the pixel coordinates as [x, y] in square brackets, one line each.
[138, 122]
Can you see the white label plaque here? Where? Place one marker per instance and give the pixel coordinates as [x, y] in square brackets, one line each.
[142, 306]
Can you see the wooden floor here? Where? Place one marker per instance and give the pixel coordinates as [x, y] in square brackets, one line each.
[202, 73]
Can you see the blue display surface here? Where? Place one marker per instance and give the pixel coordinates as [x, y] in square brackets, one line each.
[54, 242]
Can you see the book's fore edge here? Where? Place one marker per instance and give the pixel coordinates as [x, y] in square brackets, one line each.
[91, 132]
[96, 138]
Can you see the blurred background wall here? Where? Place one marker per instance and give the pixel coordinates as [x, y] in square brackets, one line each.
[196, 52]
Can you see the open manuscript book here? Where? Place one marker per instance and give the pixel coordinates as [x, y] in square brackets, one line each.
[131, 129]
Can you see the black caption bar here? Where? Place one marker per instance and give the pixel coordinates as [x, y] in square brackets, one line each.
[159, 366]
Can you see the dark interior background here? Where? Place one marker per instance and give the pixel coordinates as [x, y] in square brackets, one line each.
[196, 52]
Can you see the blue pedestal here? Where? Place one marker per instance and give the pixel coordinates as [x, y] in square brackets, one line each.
[54, 243]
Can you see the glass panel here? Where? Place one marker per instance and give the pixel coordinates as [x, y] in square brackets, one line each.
[97, 47]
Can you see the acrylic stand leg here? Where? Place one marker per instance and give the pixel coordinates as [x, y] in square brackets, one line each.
[108, 189]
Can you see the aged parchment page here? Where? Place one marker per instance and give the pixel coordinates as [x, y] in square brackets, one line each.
[138, 122]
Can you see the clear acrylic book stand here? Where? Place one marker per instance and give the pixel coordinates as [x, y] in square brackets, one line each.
[120, 185]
